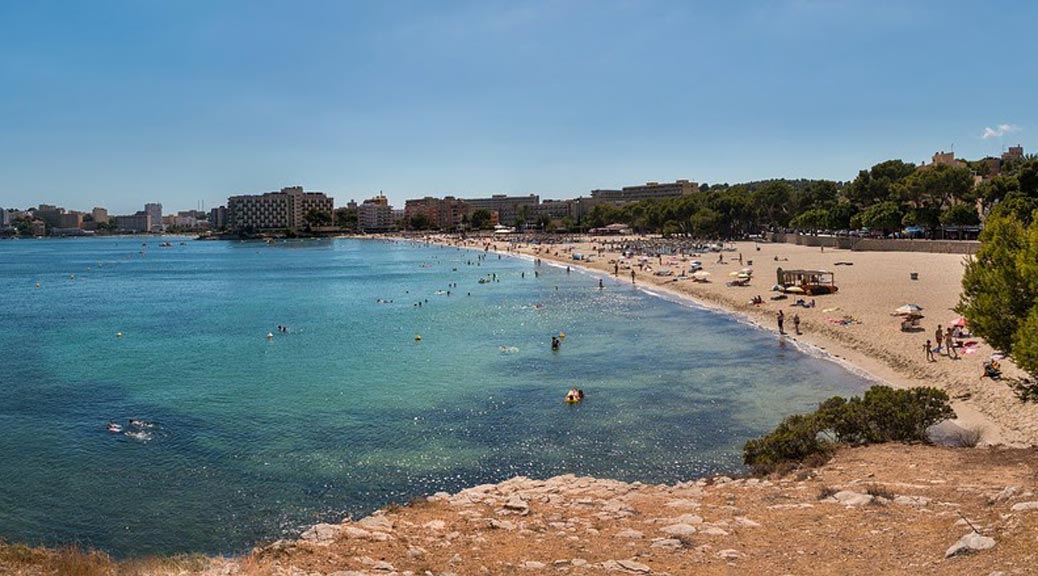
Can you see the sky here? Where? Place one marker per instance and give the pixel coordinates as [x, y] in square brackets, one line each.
[117, 103]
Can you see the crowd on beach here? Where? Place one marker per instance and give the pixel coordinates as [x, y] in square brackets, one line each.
[854, 323]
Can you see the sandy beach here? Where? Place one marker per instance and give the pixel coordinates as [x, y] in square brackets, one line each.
[871, 287]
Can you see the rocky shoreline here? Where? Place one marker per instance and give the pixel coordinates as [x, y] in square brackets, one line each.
[890, 509]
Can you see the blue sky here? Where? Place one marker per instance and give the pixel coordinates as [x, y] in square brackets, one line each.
[117, 103]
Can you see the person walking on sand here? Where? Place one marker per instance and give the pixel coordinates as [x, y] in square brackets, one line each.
[938, 337]
[616, 268]
[632, 275]
[952, 352]
[781, 317]
[928, 348]
[796, 323]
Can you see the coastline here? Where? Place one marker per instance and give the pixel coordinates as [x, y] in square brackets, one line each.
[979, 405]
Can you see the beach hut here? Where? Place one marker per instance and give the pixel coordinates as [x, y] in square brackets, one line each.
[812, 282]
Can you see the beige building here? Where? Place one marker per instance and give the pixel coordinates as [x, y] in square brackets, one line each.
[375, 215]
[282, 210]
[648, 191]
[553, 209]
[508, 208]
[947, 159]
[139, 222]
[1014, 153]
[443, 213]
[100, 215]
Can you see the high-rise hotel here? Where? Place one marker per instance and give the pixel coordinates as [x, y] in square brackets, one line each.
[286, 209]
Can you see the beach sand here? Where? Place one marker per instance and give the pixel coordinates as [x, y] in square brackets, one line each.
[869, 291]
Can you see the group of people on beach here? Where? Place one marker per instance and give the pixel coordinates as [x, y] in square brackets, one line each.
[946, 345]
[781, 319]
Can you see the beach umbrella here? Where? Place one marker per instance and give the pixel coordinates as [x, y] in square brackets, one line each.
[747, 270]
[776, 288]
[701, 275]
[908, 309]
[795, 290]
[959, 322]
[743, 275]
[734, 274]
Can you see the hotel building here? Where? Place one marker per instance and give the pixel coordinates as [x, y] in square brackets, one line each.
[282, 210]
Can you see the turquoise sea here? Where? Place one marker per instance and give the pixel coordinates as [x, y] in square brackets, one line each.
[255, 438]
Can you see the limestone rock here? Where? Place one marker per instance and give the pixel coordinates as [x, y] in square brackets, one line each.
[436, 525]
[713, 531]
[970, 543]
[532, 565]
[729, 554]
[635, 567]
[630, 533]
[377, 522]
[851, 498]
[679, 530]
[517, 504]
[1021, 506]
[746, 522]
[668, 543]
[322, 533]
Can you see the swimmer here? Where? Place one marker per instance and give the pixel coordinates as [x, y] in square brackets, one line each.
[113, 427]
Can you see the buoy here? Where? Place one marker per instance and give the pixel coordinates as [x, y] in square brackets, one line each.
[270, 335]
[118, 334]
[71, 276]
[37, 284]
[417, 338]
[562, 335]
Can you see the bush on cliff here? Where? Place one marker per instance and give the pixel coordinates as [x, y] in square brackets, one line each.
[883, 414]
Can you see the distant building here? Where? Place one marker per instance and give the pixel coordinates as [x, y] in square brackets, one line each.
[375, 215]
[139, 222]
[38, 228]
[443, 213]
[508, 208]
[100, 215]
[70, 221]
[1014, 153]
[947, 159]
[552, 209]
[282, 210]
[49, 214]
[218, 218]
[648, 191]
[7, 217]
[154, 211]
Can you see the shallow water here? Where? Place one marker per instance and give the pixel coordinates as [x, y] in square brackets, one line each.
[256, 438]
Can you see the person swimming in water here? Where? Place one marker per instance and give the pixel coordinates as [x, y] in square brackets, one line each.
[555, 343]
[113, 427]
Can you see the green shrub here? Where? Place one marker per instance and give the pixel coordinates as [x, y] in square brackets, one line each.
[883, 414]
[794, 440]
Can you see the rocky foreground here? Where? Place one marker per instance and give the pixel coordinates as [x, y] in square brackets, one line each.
[890, 509]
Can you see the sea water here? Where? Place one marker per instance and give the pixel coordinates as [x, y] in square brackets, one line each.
[256, 437]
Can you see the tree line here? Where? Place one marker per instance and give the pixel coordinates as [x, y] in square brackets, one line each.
[887, 197]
